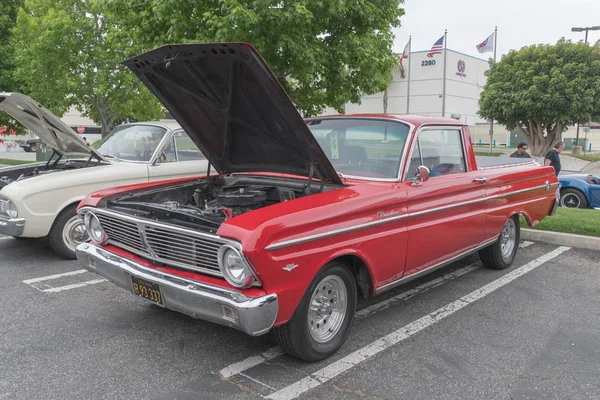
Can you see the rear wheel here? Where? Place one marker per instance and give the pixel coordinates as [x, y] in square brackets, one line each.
[501, 254]
[573, 198]
[32, 147]
[322, 320]
[67, 232]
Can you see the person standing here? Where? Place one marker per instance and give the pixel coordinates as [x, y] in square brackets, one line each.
[521, 151]
[553, 157]
[553, 160]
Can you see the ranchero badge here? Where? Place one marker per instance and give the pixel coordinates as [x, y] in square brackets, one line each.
[383, 214]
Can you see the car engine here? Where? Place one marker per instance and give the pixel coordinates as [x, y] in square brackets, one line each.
[206, 204]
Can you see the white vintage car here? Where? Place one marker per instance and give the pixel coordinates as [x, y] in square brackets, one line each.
[38, 200]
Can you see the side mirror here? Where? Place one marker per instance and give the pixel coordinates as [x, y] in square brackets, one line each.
[422, 176]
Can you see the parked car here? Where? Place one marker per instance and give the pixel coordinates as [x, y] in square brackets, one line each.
[30, 145]
[40, 199]
[579, 191]
[305, 216]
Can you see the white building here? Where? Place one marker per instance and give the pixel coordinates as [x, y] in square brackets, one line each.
[425, 94]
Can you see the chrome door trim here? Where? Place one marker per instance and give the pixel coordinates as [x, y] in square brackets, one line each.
[419, 274]
[287, 243]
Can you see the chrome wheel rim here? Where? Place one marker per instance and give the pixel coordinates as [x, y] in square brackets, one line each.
[508, 238]
[570, 200]
[327, 310]
[74, 233]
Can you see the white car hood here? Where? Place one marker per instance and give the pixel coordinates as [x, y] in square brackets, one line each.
[47, 126]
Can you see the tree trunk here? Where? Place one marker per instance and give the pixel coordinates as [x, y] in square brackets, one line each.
[540, 137]
[107, 117]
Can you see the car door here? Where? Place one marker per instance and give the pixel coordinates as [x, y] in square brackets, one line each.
[448, 211]
[178, 157]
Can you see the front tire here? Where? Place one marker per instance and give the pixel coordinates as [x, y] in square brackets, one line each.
[322, 320]
[67, 232]
[572, 198]
[501, 254]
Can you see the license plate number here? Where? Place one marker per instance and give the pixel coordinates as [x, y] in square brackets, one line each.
[147, 290]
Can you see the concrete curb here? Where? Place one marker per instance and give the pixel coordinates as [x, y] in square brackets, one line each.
[563, 239]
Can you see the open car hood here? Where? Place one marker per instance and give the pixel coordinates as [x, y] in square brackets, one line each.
[47, 126]
[229, 102]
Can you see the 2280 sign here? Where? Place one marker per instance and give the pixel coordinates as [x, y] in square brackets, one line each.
[427, 63]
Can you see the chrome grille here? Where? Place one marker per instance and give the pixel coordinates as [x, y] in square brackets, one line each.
[171, 246]
[183, 248]
[122, 232]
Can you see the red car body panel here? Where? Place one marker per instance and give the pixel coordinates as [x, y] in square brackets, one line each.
[394, 229]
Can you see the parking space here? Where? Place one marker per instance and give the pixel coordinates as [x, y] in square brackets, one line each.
[462, 332]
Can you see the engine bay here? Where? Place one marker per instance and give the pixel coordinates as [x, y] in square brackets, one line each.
[208, 203]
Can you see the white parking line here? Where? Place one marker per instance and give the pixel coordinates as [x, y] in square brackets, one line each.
[6, 237]
[50, 277]
[276, 351]
[344, 364]
[72, 286]
[44, 287]
[365, 312]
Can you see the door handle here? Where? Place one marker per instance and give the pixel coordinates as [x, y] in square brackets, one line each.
[480, 180]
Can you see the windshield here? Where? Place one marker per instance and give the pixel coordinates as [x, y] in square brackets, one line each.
[361, 148]
[132, 142]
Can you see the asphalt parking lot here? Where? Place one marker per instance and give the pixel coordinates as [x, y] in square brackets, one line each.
[464, 332]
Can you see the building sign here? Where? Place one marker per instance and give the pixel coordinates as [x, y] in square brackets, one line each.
[462, 67]
[427, 63]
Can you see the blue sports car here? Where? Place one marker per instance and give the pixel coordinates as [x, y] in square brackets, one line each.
[579, 191]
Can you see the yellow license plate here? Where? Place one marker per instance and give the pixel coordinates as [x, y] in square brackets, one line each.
[147, 290]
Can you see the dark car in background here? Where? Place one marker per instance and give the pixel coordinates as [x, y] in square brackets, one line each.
[30, 145]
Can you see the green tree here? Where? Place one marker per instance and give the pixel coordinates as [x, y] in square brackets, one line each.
[324, 53]
[8, 16]
[543, 89]
[68, 53]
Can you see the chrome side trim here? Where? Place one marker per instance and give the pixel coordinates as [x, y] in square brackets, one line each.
[419, 274]
[310, 238]
[507, 165]
[286, 243]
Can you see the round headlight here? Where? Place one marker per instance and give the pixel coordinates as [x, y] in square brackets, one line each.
[11, 209]
[235, 269]
[94, 228]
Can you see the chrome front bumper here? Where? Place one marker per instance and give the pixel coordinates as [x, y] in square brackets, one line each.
[12, 226]
[253, 315]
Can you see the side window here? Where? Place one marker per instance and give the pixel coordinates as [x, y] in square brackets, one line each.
[439, 150]
[186, 148]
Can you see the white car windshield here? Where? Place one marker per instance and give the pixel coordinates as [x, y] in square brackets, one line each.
[361, 148]
[132, 142]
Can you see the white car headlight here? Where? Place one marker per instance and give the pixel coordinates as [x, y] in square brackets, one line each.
[94, 228]
[235, 268]
[8, 207]
[11, 209]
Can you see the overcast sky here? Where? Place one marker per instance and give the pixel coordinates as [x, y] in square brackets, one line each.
[520, 23]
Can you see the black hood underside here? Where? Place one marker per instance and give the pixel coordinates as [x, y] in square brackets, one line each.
[234, 109]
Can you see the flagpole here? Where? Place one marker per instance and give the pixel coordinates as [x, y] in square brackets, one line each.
[408, 88]
[492, 120]
[444, 80]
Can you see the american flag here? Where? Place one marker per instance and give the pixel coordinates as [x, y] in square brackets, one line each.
[404, 54]
[436, 48]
